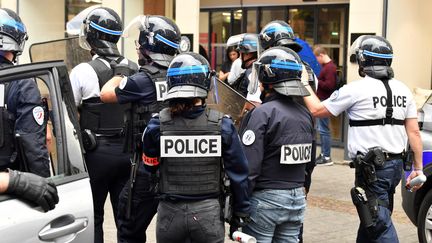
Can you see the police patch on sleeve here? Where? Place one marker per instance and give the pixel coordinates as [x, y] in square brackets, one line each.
[123, 83]
[248, 137]
[334, 95]
[296, 153]
[38, 115]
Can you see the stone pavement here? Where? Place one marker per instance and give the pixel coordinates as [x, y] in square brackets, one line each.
[330, 215]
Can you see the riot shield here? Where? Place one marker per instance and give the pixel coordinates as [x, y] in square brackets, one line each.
[225, 99]
[67, 50]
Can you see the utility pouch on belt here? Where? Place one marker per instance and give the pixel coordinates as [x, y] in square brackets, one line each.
[366, 212]
[89, 140]
[376, 156]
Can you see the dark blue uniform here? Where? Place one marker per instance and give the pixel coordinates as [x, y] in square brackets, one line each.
[278, 142]
[24, 103]
[193, 215]
[235, 162]
[139, 88]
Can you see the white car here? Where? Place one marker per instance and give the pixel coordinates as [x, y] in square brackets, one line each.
[72, 218]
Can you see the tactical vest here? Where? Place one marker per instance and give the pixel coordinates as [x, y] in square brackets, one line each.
[191, 154]
[103, 118]
[7, 124]
[140, 114]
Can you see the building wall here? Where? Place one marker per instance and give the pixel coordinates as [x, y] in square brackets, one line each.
[410, 34]
[407, 33]
[187, 14]
[250, 3]
[40, 25]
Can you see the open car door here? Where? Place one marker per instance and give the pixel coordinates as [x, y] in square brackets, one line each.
[72, 218]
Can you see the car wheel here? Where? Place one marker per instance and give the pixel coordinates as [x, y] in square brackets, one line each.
[424, 219]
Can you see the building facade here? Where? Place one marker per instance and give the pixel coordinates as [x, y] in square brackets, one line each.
[333, 24]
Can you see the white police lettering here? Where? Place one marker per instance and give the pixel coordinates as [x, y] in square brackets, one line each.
[191, 146]
[2, 95]
[161, 90]
[296, 153]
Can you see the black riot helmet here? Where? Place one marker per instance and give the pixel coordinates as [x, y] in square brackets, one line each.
[100, 32]
[282, 68]
[188, 76]
[375, 51]
[374, 55]
[248, 43]
[278, 33]
[13, 33]
[159, 37]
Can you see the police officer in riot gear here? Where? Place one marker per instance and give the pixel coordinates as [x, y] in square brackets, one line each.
[102, 124]
[279, 33]
[191, 147]
[382, 117]
[22, 118]
[158, 42]
[277, 138]
[248, 48]
[21, 114]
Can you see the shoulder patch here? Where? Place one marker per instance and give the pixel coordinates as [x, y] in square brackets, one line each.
[334, 95]
[248, 137]
[123, 82]
[38, 115]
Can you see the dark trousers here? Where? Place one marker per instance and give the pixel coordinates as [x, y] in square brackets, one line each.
[389, 177]
[143, 208]
[108, 168]
[197, 221]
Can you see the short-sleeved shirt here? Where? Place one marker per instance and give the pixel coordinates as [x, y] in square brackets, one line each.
[85, 82]
[365, 99]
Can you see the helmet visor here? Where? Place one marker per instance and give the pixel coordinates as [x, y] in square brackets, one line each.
[254, 80]
[134, 27]
[355, 47]
[83, 37]
[235, 40]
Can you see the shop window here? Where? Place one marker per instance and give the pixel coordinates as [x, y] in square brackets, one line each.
[268, 15]
[302, 22]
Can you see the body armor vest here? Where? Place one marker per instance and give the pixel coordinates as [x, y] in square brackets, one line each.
[141, 114]
[99, 117]
[194, 171]
[7, 124]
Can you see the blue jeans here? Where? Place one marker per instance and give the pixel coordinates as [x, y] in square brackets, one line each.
[389, 177]
[277, 215]
[324, 130]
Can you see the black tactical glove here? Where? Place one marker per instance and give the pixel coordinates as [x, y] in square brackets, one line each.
[238, 220]
[34, 188]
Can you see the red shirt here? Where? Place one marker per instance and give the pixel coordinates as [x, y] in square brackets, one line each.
[326, 80]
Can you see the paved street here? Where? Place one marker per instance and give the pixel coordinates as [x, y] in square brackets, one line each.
[330, 215]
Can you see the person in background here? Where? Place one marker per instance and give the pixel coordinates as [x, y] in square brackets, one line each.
[231, 55]
[307, 55]
[326, 86]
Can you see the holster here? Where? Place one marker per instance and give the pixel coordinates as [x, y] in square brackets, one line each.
[89, 140]
[367, 209]
[408, 160]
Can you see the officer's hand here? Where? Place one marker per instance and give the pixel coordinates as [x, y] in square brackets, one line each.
[412, 175]
[122, 70]
[34, 188]
[239, 221]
